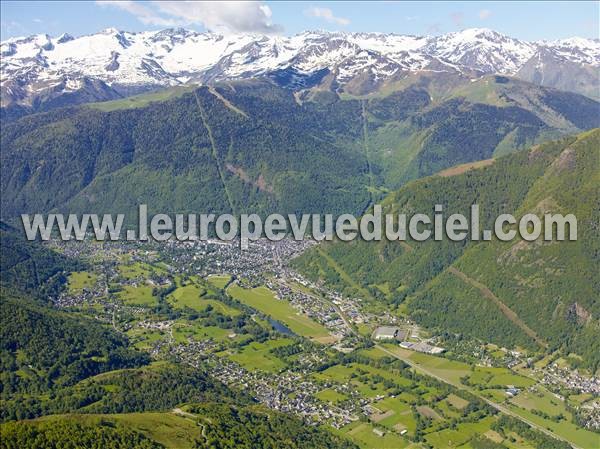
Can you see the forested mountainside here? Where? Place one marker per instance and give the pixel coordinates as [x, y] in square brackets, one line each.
[529, 294]
[30, 269]
[253, 146]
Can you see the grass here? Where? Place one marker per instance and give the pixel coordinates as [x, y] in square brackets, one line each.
[399, 415]
[263, 300]
[219, 280]
[78, 280]
[460, 169]
[361, 377]
[142, 100]
[494, 395]
[134, 270]
[190, 296]
[168, 429]
[330, 395]
[541, 400]
[184, 330]
[449, 438]
[457, 402]
[137, 296]
[442, 367]
[258, 356]
[143, 338]
[362, 434]
[488, 376]
[565, 429]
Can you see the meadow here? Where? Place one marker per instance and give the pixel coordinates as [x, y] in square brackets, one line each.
[79, 280]
[263, 300]
[191, 296]
[258, 355]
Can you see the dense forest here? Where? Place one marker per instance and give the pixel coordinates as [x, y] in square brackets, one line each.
[28, 268]
[71, 435]
[234, 428]
[552, 287]
[252, 146]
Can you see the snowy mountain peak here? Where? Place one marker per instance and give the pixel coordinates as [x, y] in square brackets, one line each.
[126, 61]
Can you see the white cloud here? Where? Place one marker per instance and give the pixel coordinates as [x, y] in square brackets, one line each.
[144, 14]
[327, 15]
[239, 17]
[484, 14]
[236, 17]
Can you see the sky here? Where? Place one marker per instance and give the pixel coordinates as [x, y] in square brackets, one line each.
[523, 20]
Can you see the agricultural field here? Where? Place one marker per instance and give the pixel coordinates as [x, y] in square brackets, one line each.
[258, 356]
[140, 295]
[263, 300]
[545, 409]
[79, 280]
[369, 381]
[184, 330]
[362, 433]
[449, 438]
[134, 270]
[489, 377]
[330, 395]
[191, 296]
[395, 414]
[219, 280]
[143, 339]
[442, 367]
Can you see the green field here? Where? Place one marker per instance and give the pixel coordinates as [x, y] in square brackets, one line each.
[258, 355]
[134, 270]
[361, 376]
[449, 438]
[168, 429]
[490, 377]
[330, 395]
[137, 296]
[143, 338]
[440, 366]
[263, 300]
[528, 401]
[184, 330]
[362, 433]
[219, 280]
[190, 296]
[142, 100]
[396, 415]
[78, 280]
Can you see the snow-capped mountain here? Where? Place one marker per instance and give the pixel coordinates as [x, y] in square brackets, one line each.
[120, 63]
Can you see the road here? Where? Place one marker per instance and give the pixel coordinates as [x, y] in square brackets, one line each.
[423, 370]
[493, 404]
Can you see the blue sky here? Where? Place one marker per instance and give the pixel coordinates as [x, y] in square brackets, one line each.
[524, 20]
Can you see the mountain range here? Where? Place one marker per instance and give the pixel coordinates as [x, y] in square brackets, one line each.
[250, 146]
[40, 72]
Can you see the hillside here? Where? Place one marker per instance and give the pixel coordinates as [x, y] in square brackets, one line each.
[509, 293]
[253, 146]
[29, 268]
